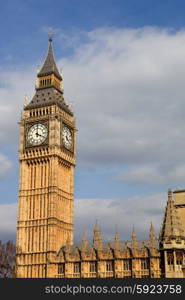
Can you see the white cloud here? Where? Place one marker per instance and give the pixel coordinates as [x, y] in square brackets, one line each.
[127, 86]
[155, 175]
[5, 164]
[122, 214]
[8, 221]
[15, 85]
[128, 90]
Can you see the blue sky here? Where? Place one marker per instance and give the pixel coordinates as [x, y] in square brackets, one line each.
[22, 21]
[133, 52]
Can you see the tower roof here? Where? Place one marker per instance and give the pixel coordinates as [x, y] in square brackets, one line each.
[49, 66]
[46, 97]
[171, 223]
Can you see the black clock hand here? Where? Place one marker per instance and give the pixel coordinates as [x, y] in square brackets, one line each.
[39, 134]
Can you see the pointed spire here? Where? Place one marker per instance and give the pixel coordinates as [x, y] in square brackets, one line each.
[133, 239]
[116, 241]
[97, 238]
[84, 241]
[152, 237]
[49, 66]
[116, 237]
[171, 223]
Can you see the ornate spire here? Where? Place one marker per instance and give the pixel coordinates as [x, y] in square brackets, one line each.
[49, 85]
[49, 66]
[116, 237]
[171, 223]
[152, 237]
[133, 239]
[116, 241]
[97, 238]
[84, 241]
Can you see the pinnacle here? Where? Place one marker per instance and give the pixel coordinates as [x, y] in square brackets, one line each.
[171, 224]
[49, 65]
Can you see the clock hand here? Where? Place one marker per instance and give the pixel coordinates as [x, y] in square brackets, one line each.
[39, 134]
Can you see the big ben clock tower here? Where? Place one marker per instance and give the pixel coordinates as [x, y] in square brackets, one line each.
[47, 161]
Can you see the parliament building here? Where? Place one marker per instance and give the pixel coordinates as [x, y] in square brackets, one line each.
[44, 246]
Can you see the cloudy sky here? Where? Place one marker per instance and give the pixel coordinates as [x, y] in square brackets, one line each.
[123, 64]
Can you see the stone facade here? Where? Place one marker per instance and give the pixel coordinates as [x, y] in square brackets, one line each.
[172, 236]
[117, 259]
[45, 218]
[45, 247]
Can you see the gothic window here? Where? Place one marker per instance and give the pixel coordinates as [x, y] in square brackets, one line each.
[144, 264]
[93, 267]
[76, 268]
[127, 264]
[61, 268]
[109, 266]
[170, 259]
[179, 258]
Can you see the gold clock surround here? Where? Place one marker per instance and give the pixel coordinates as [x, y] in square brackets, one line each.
[27, 128]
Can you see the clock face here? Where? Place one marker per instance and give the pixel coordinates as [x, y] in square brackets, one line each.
[37, 134]
[67, 137]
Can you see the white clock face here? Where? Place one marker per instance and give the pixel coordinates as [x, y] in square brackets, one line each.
[37, 134]
[67, 137]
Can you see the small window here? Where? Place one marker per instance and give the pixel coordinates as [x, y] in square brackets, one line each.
[93, 267]
[61, 268]
[76, 268]
[144, 264]
[127, 264]
[170, 258]
[109, 266]
[179, 258]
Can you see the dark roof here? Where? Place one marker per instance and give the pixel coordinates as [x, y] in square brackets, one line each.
[49, 65]
[111, 245]
[48, 96]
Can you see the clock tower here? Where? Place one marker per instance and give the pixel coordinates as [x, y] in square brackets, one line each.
[46, 184]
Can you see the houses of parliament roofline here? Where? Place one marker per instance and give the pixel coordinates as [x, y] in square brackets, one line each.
[45, 230]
